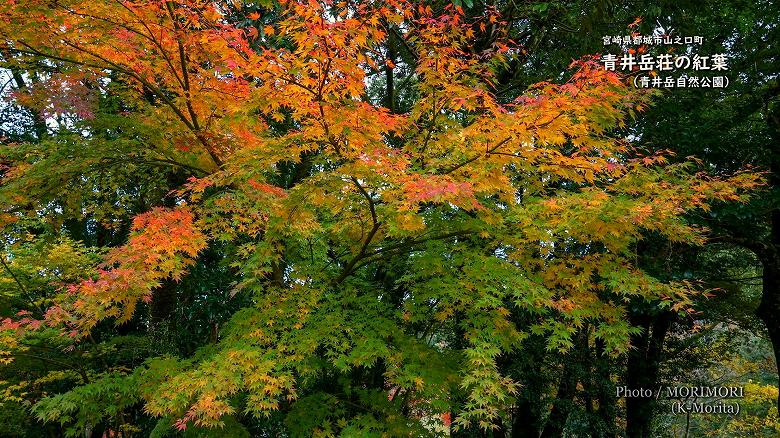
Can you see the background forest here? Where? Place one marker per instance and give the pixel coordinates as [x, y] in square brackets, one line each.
[382, 218]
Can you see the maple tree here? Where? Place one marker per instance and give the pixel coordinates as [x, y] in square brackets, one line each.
[379, 253]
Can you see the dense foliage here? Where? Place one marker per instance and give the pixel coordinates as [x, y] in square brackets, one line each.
[390, 218]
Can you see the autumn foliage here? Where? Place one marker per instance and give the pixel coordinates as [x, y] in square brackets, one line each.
[364, 237]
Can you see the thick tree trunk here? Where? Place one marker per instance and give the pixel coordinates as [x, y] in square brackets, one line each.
[604, 390]
[773, 327]
[525, 421]
[564, 398]
[574, 364]
[642, 370]
[769, 308]
[529, 363]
